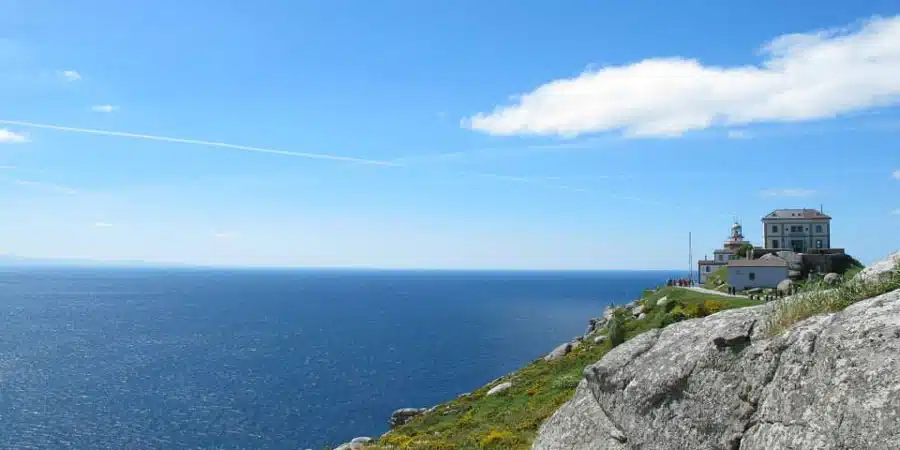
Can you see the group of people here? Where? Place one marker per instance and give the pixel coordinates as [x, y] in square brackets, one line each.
[681, 282]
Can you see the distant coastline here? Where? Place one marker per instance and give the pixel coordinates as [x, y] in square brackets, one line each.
[7, 260]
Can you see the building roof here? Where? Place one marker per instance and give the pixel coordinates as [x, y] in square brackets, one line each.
[758, 263]
[711, 262]
[805, 213]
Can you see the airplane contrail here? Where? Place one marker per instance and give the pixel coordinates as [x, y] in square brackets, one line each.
[247, 148]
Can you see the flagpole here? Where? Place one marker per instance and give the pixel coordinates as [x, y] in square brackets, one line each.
[690, 257]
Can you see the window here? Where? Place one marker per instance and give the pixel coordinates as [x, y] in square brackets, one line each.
[774, 243]
[751, 276]
[707, 268]
[818, 243]
[818, 228]
[774, 228]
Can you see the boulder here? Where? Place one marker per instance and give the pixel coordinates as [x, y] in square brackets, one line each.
[574, 344]
[502, 387]
[829, 382]
[880, 269]
[641, 316]
[785, 286]
[558, 352]
[663, 301]
[600, 339]
[356, 444]
[401, 416]
[832, 279]
[592, 326]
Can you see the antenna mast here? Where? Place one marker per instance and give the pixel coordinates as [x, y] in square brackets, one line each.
[690, 257]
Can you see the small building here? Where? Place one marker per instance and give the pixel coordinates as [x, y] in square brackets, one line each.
[798, 230]
[757, 273]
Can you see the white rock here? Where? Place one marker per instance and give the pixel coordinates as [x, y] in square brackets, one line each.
[502, 387]
[558, 352]
[880, 268]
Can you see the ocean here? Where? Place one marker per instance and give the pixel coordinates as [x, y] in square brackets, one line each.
[96, 358]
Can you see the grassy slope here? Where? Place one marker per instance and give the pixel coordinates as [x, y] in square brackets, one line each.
[717, 279]
[510, 420]
[819, 298]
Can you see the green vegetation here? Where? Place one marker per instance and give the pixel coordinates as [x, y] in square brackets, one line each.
[819, 298]
[744, 250]
[717, 279]
[510, 420]
[615, 333]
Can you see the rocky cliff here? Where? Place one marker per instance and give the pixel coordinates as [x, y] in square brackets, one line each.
[829, 382]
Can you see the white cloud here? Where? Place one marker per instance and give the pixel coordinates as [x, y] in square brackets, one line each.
[104, 108]
[70, 75]
[792, 192]
[816, 75]
[102, 225]
[226, 235]
[738, 134]
[896, 174]
[11, 137]
[56, 188]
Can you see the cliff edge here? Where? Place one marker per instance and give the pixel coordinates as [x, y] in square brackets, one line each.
[828, 382]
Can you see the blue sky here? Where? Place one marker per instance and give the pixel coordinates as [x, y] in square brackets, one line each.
[464, 134]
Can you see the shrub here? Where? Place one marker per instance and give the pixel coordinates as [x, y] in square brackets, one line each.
[615, 330]
[695, 310]
[675, 316]
[713, 306]
[467, 418]
[495, 438]
[569, 381]
[396, 440]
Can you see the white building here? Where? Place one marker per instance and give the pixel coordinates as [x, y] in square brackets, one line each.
[757, 273]
[796, 229]
[722, 256]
